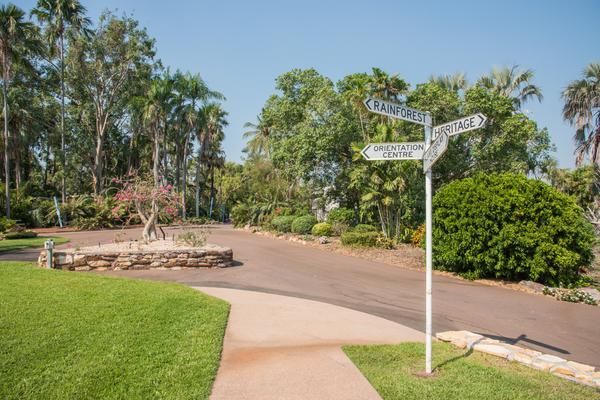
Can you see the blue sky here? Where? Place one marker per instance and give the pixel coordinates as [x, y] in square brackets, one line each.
[240, 47]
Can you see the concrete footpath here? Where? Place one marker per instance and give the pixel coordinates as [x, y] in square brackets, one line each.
[279, 347]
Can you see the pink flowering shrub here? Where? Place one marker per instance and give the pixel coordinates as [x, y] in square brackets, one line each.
[150, 203]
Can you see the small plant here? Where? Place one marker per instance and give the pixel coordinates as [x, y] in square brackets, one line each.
[196, 238]
[570, 295]
[322, 229]
[119, 237]
[418, 236]
[303, 224]
[6, 224]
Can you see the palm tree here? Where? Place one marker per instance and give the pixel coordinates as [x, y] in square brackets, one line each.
[453, 83]
[386, 86]
[193, 91]
[582, 109]
[17, 41]
[210, 134]
[514, 83]
[258, 138]
[60, 16]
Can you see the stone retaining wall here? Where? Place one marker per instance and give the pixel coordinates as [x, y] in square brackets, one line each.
[119, 260]
[574, 371]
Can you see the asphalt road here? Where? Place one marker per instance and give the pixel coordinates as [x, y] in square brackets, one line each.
[571, 331]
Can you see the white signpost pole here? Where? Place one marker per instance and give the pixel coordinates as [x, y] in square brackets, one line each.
[428, 258]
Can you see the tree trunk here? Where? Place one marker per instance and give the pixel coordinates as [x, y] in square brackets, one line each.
[62, 119]
[6, 161]
[149, 232]
[198, 167]
[212, 190]
[97, 169]
[184, 177]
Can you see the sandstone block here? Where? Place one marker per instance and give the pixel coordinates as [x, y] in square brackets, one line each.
[494, 349]
[546, 362]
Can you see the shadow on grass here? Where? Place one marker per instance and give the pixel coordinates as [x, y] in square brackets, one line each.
[453, 359]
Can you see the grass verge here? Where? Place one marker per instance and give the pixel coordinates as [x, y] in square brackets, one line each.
[458, 375]
[69, 335]
[17, 244]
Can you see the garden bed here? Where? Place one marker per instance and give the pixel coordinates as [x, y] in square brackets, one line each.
[165, 254]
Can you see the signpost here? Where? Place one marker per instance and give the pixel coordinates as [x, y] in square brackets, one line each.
[394, 151]
[435, 151]
[436, 143]
[465, 124]
[397, 111]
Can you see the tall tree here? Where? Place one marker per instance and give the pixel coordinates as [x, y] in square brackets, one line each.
[453, 83]
[210, 136]
[17, 42]
[514, 83]
[582, 109]
[258, 138]
[105, 69]
[59, 17]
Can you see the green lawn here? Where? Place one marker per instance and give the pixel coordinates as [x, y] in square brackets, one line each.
[17, 244]
[391, 369]
[68, 335]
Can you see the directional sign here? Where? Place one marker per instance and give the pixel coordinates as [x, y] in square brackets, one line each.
[435, 151]
[394, 151]
[465, 124]
[397, 111]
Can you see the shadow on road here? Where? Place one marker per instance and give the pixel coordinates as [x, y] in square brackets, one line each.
[524, 338]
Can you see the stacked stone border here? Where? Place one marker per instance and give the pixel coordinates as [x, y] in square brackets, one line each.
[571, 370]
[124, 260]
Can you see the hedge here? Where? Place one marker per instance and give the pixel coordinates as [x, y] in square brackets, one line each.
[304, 224]
[322, 229]
[509, 227]
[283, 223]
[362, 228]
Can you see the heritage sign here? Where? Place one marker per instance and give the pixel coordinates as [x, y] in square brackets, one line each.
[461, 125]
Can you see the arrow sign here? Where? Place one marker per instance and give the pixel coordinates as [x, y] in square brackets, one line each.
[465, 124]
[435, 151]
[394, 151]
[397, 111]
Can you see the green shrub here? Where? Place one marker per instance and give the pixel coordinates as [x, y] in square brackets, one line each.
[283, 223]
[322, 229]
[360, 239]
[6, 224]
[240, 215]
[341, 215]
[304, 224]
[363, 228]
[510, 227]
[20, 235]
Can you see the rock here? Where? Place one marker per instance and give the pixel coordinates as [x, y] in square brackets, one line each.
[563, 369]
[525, 356]
[462, 339]
[495, 349]
[593, 293]
[533, 286]
[323, 240]
[99, 263]
[581, 367]
[546, 362]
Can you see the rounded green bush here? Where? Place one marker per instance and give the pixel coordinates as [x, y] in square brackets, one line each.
[360, 239]
[322, 229]
[341, 215]
[362, 228]
[304, 224]
[283, 223]
[510, 227]
[20, 235]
